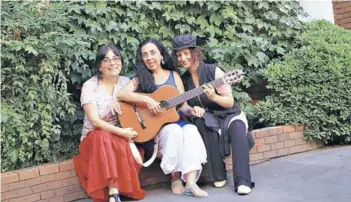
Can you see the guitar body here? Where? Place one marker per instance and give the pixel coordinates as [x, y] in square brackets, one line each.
[140, 118]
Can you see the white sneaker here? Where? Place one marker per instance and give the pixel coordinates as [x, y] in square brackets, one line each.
[219, 184]
[243, 190]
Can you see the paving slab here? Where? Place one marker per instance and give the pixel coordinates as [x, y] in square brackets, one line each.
[322, 175]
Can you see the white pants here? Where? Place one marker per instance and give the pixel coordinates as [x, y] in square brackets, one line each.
[181, 149]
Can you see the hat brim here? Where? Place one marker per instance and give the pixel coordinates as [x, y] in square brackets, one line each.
[183, 47]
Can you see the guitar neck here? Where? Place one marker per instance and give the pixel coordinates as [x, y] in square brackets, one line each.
[172, 102]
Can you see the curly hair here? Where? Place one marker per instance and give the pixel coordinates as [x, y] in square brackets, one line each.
[143, 74]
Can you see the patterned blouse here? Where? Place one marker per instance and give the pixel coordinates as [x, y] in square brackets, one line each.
[93, 92]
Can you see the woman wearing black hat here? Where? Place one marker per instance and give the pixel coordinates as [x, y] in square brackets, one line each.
[181, 148]
[217, 105]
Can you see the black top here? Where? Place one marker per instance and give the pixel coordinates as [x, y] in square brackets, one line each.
[206, 74]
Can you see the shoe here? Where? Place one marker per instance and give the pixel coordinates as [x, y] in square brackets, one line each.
[188, 191]
[178, 183]
[219, 184]
[243, 190]
[115, 197]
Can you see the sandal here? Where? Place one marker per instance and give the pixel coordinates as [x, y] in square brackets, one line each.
[115, 197]
[178, 183]
[188, 191]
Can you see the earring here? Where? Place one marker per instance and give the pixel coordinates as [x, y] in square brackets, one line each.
[162, 62]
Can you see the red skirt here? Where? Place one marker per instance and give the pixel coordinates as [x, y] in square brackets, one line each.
[104, 157]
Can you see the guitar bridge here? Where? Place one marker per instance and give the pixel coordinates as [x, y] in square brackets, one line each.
[140, 120]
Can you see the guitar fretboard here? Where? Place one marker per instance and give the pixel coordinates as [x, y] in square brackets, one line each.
[172, 102]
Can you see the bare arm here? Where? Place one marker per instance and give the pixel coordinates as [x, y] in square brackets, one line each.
[92, 114]
[128, 94]
[225, 99]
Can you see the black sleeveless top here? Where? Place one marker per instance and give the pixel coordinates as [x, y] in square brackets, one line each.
[206, 74]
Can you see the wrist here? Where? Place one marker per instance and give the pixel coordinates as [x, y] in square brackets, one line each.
[215, 98]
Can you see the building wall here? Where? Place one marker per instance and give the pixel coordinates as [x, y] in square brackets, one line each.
[342, 13]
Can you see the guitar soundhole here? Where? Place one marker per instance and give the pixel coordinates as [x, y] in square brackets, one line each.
[164, 104]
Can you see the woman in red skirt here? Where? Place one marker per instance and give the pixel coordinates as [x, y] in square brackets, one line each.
[105, 165]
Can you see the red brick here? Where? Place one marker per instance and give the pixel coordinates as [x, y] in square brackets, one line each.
[262, 133]
[28, 173]
[262, 148]
[55, 184]
[65, 166]
[346, 15]
[345, 20]
[276, 130]
[283, 137]
[347, 26]
[47, 194]
[299, 141]
[253, 150]
[73, 173]
[289, 143]
[16, 185]
[68, 190]
[48, 169]
[255, 157]
[271, 139]
[75, 196]
[296, 135]
[16, 193]
[299, 127]
[29, 198]
[63, 175]
[70, 181]
[270, 154]
[39, 188]
[32, 182]
[295, 149]
[9, 177]
[4, 188]
[47, 178]
[277, 145]
[259, 141]
[337, 5]
[253, 133]
[283, 152]
[288, 129]
[55, 199]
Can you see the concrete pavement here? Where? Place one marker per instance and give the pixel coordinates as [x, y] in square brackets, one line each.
[322, 175]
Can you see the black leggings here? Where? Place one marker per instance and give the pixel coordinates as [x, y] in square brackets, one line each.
[240, 153]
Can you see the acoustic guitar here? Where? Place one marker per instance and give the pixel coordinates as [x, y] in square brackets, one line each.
[143, 121]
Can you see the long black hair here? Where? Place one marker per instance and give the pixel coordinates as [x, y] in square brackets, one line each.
[144, 75]
[102, 51]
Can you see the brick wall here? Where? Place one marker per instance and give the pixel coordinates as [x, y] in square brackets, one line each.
[342, 13]
[58, 181]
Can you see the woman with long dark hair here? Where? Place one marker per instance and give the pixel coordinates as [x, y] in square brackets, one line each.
[105, 165]
[181, 148]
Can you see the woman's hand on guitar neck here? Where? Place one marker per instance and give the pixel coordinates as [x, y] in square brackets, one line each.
[154, 106]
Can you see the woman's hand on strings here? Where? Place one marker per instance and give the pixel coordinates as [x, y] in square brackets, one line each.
[154, 106]
[197, 111]
[115, 108]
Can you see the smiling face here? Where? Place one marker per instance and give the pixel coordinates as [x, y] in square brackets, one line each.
[151, 56]
[185, 58]
[111, 65]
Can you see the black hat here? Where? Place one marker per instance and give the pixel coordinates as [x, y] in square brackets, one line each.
[184, 41]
